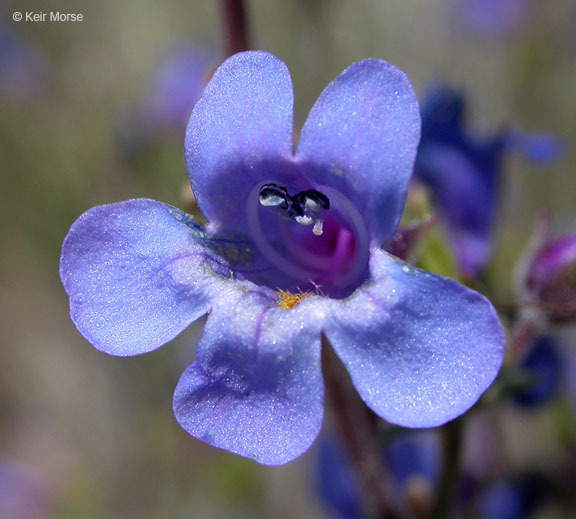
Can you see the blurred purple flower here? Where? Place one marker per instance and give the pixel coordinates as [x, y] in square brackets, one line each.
[23, 69]
[336, 482]
[413, 455]
[177, 85]
[166, 107]
[463, 172]
[501, 500]
[413, 459]
[550, 278]
[494, 17]
[22, 495]
[518, 498]
[291, 250]
[540, 148]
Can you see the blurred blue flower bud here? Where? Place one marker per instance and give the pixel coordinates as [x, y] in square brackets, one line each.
[463, 172]
[543, 366]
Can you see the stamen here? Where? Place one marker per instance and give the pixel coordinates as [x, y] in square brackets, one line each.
[304, 219]
[277, 259]
[347, 209]
[312, 200]
[340, 265]
[287, 300]
[272, 195]
[304, 207]
[317, 229]
[312, 203]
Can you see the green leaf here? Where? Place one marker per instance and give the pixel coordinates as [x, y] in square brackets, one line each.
[437, 256]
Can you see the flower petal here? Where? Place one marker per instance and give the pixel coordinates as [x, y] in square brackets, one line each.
[256, 389]
[239, 127]
[361, 138]
[421, 349]
[136, 275]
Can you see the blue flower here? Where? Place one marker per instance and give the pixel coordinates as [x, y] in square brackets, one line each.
[495, 17]
[25, 71]
[414, 455]
[502, 500]
[517, 498]
[543, 365]
[291, 251]
[166, 107]
[177, 85]
[413, 459]
[463, 172]
[22, 492]
[570, 378]
[335, 481]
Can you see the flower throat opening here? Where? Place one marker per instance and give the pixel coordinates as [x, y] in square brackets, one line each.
[316, 238]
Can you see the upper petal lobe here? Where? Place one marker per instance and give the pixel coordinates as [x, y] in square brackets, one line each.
[239, 133]
[361, 137]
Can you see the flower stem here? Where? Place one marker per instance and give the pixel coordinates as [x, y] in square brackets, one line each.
[452, 436]
[235, 26]
[358, 431]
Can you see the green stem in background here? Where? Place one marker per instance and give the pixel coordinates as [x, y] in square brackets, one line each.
[452, 440]
[359, 435]
[236, 28]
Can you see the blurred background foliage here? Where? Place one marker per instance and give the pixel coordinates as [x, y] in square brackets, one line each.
[94, 434]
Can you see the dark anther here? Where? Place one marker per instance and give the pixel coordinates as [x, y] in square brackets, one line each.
[304, 207]
[272, 195]
[295, 209]
[307, 199]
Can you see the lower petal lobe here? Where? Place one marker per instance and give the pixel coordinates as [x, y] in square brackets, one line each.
[256, 389]
[137, 275]
[420, 348]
